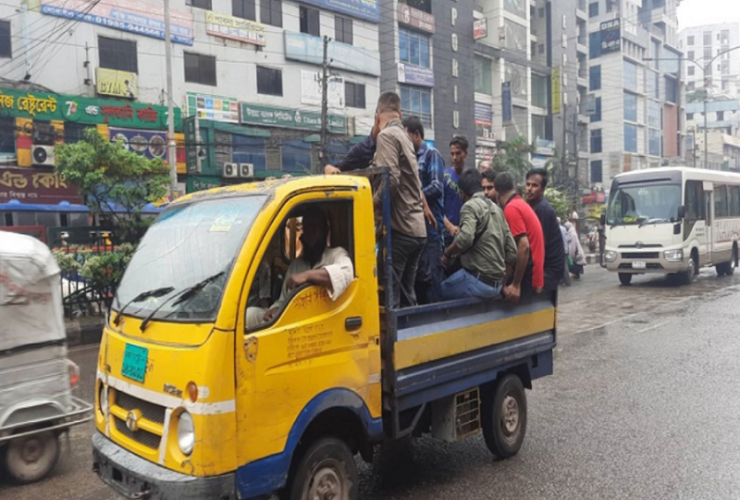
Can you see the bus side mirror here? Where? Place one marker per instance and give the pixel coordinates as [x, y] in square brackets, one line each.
[682, 212]
[602, 220]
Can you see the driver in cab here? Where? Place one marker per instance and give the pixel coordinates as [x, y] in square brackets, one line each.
[318, 265]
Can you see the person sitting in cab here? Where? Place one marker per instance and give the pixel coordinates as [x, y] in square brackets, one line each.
[318, 265]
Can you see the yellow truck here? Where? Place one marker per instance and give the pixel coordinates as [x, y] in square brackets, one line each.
[194, 403]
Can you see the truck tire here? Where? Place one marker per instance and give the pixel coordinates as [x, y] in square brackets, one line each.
[625, 278]
[327, 470]
[31, 458]
[504, 417]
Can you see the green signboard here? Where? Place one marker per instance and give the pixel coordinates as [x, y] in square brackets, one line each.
[84, 110]
[201, 183]
[267, 116]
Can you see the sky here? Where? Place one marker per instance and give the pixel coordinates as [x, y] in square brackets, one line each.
[699, 12]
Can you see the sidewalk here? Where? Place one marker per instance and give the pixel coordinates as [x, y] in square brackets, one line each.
[84, 330]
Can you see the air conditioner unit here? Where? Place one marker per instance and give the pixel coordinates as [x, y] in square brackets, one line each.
[231, 170]
[43, 156]
[246, 170]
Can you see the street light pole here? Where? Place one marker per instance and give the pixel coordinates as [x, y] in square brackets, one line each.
[171, 145]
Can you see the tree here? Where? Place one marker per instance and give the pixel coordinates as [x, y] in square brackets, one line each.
[512, 157]
[109, 176]
[559, 202]
[699, 95]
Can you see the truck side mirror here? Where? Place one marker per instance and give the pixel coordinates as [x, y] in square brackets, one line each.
[682, 212]
[602, 220]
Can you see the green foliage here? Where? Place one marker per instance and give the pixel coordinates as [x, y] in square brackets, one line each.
[699, 95]
[106, 172]
[559, 202]
[66, 261]
[512, 157]
[106, 268]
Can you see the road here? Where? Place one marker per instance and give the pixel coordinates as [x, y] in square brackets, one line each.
[644, 404]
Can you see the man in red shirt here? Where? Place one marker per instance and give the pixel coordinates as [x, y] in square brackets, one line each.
[527, 231]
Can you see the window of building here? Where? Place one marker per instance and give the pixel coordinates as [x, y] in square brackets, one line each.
[707, 38]
[596, 141]
[690, 55]
[594, 45]
[483, 75]
[708, 54]
[630, 107]
[541, 12]
[725, 85]
[654, 142]
[630, 76]
[593, 9]
[74, 132]
[200, 4]
[691, 70]
[354, 95]
[653, 82]
[7, 135]
[724, 37]
[269, 81]
[539, 126]
[539, 91]
[200, 69]
[720, 116]
[343, 29]
[422, 5]
[691, 86]
[271, 12]
[690, 41]
[726, 67]
[413, 48]
[594, 73]
[689, 117]
[6, 45]
[541, 49]
[630, 138]
[655, 114]
[117, 54]
[417, 101]
[596, 117]
[611, 5]
[310, 21]
[244, 9]
[671, 89]
[597, 172]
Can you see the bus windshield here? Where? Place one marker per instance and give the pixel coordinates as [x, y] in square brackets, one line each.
[644, 204]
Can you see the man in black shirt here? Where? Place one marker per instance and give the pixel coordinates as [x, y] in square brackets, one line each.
[554, 250]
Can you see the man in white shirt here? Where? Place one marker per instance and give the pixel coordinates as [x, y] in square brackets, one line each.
[318, 265]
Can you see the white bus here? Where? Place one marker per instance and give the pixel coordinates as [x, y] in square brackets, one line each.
[672, 221]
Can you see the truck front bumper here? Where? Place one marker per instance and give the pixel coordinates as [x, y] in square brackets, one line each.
[135, 478]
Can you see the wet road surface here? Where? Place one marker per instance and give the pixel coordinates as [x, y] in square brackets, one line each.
[644, 404]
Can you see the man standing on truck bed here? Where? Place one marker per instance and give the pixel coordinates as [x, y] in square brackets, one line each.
[554, 250]
[319, 265]
[527, 232]
[395, 150]
[484, 245]
[453, 203]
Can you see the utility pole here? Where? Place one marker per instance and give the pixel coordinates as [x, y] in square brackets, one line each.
[171, 145]
[564, 158]
[706, 130]
[324, 100]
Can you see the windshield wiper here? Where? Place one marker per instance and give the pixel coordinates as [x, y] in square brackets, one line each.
[183, 295]
[157, 292]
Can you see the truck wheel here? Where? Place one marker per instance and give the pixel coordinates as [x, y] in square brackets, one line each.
[625, 278]
[31, 458]
[504, 417]
[327, 471]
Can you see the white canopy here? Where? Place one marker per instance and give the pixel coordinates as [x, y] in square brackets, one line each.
[30, 294]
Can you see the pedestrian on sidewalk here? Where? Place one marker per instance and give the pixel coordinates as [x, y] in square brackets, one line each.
[566, 265]
[575, 251]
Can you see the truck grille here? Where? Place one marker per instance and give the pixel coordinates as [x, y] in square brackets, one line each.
[640, 255]
[123, 404]
[140, 436]
[149, 411]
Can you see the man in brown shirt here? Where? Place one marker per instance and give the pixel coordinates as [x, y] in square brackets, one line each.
[408, 228]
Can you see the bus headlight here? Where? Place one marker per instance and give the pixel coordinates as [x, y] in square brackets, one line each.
[610, 255]
[185, 433]
[673, 255]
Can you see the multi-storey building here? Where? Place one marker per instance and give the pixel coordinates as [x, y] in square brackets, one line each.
[634, 65]
[707, 44]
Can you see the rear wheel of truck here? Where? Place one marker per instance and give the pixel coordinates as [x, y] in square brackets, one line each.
[31, 458]
[625, 278]
[504, 417]
[327, 471]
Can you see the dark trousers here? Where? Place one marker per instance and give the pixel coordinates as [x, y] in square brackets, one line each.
[430, 273]
[406, 252]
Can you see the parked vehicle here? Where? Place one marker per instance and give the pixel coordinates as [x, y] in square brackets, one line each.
[36, 378]
[673, 221]
[194, 404]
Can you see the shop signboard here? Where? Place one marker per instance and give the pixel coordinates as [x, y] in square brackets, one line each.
[151, 144]
[235, 28]
[310, 49]
[116, 83]
[267, 116]
[415, 75]
[202, 183]
[134, 16]
[30, 186]
[217, 108]
[415, 18]
[611, 36]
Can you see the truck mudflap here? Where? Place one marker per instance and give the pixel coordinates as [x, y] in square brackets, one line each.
[137, 479]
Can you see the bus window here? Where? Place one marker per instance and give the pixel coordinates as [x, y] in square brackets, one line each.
[734, 201]
[695, 201]
[720, 201]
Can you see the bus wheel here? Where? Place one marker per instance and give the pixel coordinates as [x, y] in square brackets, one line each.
[692, 272]
[327, 471]
[728, 268]
[625, 278]
[504, 417]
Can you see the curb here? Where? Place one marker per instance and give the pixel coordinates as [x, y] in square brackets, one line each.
[84, 333]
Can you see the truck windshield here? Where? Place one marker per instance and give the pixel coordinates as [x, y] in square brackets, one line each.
[187, 245]
[644, 204]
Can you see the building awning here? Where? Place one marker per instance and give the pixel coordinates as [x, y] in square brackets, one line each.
[64, 206]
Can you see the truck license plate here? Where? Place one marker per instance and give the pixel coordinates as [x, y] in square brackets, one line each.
[639, 265]
[134, 362]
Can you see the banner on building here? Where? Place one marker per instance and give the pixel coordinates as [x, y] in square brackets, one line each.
[507, 111]
[556, 97]
[480, 28]
[29, 186]
[415, 75]
[310, 49]
[611, 36]
[221, 109]
[151, 144]
[415, 18]
[135, 16]
[116, 83]
[311, 89]
[268, 116]
[483, 117]
[235, 28]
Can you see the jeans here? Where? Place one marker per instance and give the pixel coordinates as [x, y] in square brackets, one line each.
[430, 275]
[405, 252]
[463, 285]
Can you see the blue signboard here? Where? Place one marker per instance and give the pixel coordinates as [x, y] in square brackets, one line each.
[415, 75]
[310, 49]
[506, 101]
[361, 9]
[483, 114]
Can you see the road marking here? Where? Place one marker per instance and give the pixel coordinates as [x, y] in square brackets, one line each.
[655, 327]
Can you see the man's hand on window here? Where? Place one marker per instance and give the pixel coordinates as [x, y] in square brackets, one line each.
[297, 280]
[270, 315]
[331, 170]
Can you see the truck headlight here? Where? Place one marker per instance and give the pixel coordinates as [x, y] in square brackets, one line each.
[103, 398]
[673, 255]
[185, 433]
[610, 255]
